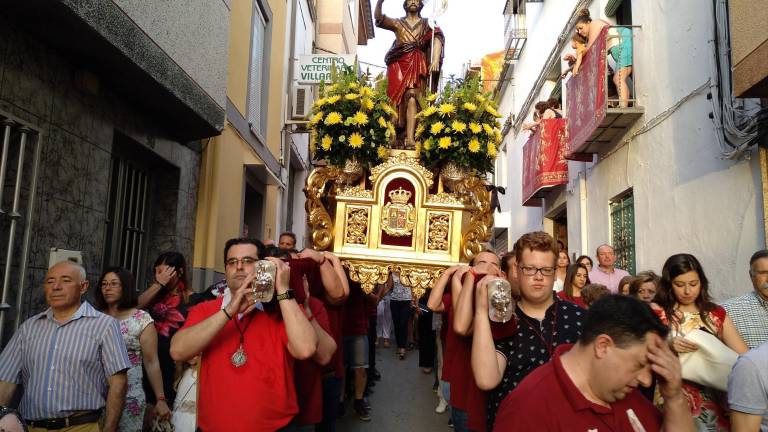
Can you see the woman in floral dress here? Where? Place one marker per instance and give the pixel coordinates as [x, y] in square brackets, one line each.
[116, 297]
[167, 300]
[685, 305]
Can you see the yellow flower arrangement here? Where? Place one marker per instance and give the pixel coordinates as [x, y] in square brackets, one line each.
[352, 119]
[465, 131]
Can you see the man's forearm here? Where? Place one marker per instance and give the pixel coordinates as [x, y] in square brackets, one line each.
[115, 401]
[302, 340]
[462, 319]
[677, 415]
[377, 15]
[189, 342]
[435, 300]
[333, 288]
[485, 368]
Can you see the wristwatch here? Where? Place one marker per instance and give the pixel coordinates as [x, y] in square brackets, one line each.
[286, 295]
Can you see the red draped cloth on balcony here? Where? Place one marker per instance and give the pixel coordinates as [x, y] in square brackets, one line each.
[408, 59]
[585, 97]
[544, 163]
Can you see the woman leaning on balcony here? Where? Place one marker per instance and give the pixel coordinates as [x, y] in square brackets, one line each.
[621, 51]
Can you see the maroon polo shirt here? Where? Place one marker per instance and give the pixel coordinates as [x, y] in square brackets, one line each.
[548, 400]
[308, 375]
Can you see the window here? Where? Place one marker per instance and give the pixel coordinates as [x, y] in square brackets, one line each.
[131, 185]
[623, 231]
[256, 73]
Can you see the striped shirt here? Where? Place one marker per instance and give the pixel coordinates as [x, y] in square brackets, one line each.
[749, 314]
[64, 367]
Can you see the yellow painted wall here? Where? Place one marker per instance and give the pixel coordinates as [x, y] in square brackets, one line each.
[277, 71]
[220, 196]
[239, 52]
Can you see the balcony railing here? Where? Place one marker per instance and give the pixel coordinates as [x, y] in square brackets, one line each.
[515, 30]
[601, 100]
[544, 163]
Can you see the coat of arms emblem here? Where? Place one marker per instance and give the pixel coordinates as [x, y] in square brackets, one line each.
[398, 216]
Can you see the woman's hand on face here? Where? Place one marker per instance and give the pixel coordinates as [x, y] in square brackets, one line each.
[682, 345]
[164, 274]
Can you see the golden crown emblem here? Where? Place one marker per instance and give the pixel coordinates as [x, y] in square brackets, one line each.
[399, 196]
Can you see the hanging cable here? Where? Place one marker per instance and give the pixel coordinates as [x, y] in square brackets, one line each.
[737, 126]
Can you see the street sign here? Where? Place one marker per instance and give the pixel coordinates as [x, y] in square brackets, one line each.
[313, 68]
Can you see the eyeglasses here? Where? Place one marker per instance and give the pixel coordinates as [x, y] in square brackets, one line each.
[245, 261]
[112, 284]
[531, 271]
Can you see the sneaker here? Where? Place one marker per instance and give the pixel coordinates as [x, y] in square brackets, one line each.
[450, 423]
[363, 412]
[442, 406]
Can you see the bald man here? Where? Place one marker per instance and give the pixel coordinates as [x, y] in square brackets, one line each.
[71, 360]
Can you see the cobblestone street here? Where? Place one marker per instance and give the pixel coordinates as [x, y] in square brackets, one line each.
[402, 401]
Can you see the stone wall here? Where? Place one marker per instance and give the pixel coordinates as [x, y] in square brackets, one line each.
[78, 117]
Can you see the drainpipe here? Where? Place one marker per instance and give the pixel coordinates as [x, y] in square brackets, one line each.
[583, 210]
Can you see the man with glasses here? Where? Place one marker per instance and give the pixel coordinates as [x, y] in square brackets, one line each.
[606, 272]
[246, 375]
[749, 312]
[544, 322]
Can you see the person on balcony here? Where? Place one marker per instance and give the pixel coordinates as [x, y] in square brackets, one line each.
[579, 44]
[619, 47]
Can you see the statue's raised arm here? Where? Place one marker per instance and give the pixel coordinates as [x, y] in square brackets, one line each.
[413, 62]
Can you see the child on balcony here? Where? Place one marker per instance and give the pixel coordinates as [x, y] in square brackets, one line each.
[578, 43]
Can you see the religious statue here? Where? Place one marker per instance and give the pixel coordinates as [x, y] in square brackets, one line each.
[413, 64]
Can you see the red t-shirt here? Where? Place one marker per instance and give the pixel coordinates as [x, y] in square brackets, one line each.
[336, 321]
[258, 396]
[309, 376]
[548, 400]
[355, 312]
[450, 338]
[575, 300]
[477, 400]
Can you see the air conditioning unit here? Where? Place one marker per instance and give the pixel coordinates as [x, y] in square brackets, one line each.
[301, 102]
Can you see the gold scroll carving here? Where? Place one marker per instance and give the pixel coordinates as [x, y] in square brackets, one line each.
[481, 217]
[357, 225]
[368, 274]
[437, 234]
[317, 216]
[418, 278]
[402, 159]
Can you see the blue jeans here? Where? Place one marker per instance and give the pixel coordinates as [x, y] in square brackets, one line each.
[460, 419]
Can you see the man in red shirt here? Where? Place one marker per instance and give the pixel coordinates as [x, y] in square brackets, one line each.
[592, 385]
[356, 346]
[248, 349]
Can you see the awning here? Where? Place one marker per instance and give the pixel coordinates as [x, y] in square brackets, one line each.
[612, 7]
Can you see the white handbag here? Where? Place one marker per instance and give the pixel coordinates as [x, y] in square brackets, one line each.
[711, 364]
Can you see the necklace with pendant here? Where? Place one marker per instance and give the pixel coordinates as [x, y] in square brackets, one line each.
[239, 358]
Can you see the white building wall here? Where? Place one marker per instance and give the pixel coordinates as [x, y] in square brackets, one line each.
[686, 197]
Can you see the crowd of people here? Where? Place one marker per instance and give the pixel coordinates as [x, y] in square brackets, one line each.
[589, 347]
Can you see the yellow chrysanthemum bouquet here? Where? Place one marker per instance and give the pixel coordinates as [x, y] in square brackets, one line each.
[459, 125]
[352, 120]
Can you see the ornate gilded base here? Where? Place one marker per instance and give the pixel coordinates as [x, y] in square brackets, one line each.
[397, 222]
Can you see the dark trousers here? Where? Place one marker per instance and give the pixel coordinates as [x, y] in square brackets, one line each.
[331, 394]
[371, 344]
[401, 313]
[427, 343]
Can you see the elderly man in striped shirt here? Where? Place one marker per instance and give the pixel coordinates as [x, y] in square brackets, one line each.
[70, 359]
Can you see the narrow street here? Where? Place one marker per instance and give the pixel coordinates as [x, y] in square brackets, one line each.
[402, 400]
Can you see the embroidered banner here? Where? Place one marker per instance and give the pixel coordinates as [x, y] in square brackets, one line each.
[586, 101]
[544, 163]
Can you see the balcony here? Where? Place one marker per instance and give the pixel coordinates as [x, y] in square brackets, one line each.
[597, 116]
[515, 31]
[544, 164]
